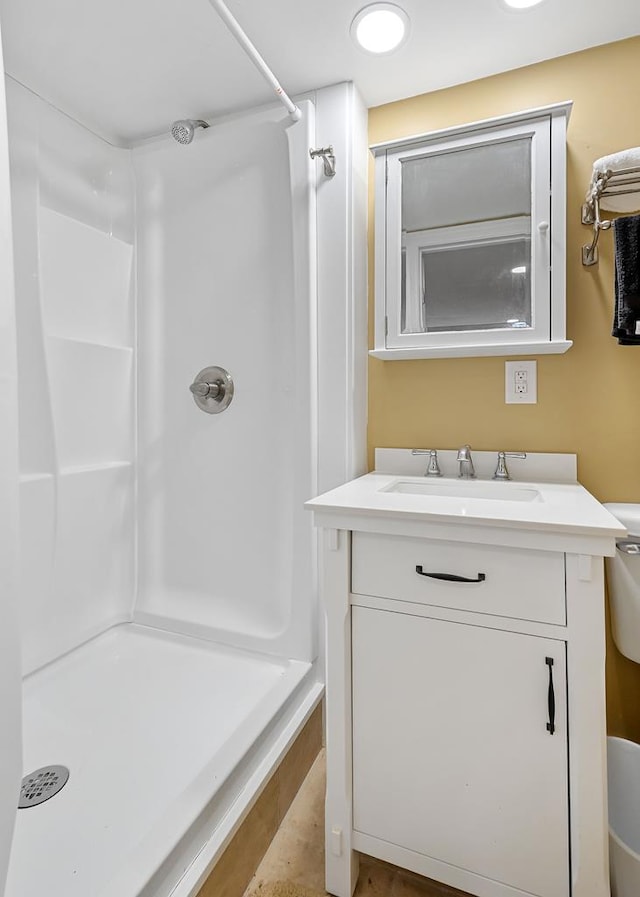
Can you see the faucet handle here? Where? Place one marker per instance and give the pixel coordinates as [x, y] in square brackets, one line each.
[501, 472]
[433, 468]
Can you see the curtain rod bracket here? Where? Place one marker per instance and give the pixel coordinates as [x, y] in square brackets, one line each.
[328, 158]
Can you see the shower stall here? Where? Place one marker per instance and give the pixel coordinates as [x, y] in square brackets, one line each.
[158, 576]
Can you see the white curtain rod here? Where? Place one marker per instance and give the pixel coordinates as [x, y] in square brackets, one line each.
[234, 27]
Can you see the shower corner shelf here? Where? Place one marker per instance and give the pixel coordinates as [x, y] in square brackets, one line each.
[100, 467]
[73, 470]
[35, 477]
[80, 341]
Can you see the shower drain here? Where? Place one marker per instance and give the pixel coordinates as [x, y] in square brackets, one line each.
[42, 784]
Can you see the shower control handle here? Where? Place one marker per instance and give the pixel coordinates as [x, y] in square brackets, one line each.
[206, 390]
[212, 389]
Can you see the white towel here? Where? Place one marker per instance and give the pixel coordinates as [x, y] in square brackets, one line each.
[628, 158]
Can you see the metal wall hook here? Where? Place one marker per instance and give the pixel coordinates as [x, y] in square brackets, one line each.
[328, 158]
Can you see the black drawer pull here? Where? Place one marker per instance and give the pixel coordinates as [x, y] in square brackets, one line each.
[450, 577]
[551, 698]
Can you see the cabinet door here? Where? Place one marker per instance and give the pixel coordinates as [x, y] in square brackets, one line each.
[466, 263]
[452, 757]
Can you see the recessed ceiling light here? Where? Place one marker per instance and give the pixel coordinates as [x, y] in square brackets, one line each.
[521, 269]
[521, 4]
[380, 27]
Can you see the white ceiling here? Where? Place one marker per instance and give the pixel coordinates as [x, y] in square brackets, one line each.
[127, 68]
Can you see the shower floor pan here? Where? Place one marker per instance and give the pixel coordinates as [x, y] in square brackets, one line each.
[151, 726]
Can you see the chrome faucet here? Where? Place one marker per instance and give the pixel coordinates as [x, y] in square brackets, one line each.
[467, 471]
[433, 468]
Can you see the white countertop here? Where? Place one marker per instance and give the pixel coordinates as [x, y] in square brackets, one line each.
[560, 508]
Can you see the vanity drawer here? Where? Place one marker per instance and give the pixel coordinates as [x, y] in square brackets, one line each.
[508, 582]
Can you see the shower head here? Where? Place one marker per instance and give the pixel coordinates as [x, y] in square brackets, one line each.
[182, 131]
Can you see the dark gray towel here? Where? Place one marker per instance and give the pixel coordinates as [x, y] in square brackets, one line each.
[626, 316]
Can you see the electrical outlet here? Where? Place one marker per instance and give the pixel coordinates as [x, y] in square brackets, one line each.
[520, 383]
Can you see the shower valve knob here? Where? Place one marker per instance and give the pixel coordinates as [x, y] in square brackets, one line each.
[212, 389]
[206, 390]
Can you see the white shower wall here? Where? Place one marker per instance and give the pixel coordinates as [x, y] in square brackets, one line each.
[135, 269]
[73, 223]
[224, 231]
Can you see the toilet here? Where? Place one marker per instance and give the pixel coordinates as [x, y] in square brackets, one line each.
[623, 576]
[623, 757]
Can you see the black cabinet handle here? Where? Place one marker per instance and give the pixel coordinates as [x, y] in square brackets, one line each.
[450, 577]
[551, 699]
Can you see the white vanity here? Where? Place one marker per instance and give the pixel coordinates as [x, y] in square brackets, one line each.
[465, 677]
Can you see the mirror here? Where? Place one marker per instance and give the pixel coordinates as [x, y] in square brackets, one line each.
[466, 239]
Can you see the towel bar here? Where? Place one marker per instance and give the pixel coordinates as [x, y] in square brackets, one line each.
[621, 182]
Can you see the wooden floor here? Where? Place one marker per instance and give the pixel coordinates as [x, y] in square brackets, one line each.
[294, 863]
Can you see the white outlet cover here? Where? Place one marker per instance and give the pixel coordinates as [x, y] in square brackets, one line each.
[520, 382]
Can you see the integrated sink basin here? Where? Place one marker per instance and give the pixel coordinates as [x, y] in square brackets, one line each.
[496, 491]
[546, 501]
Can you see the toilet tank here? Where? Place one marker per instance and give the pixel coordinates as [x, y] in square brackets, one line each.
[623, 578]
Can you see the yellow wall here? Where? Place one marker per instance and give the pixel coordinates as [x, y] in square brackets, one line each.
[589, 398]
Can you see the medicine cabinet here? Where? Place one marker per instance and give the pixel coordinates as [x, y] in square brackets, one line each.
[470, 239]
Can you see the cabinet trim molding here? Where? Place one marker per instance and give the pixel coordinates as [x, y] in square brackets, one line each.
[546, 347]
[514, 118]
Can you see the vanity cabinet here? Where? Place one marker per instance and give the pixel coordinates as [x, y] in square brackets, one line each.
[466, 735]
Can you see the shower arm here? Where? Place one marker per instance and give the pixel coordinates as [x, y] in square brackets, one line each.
[234, 27]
